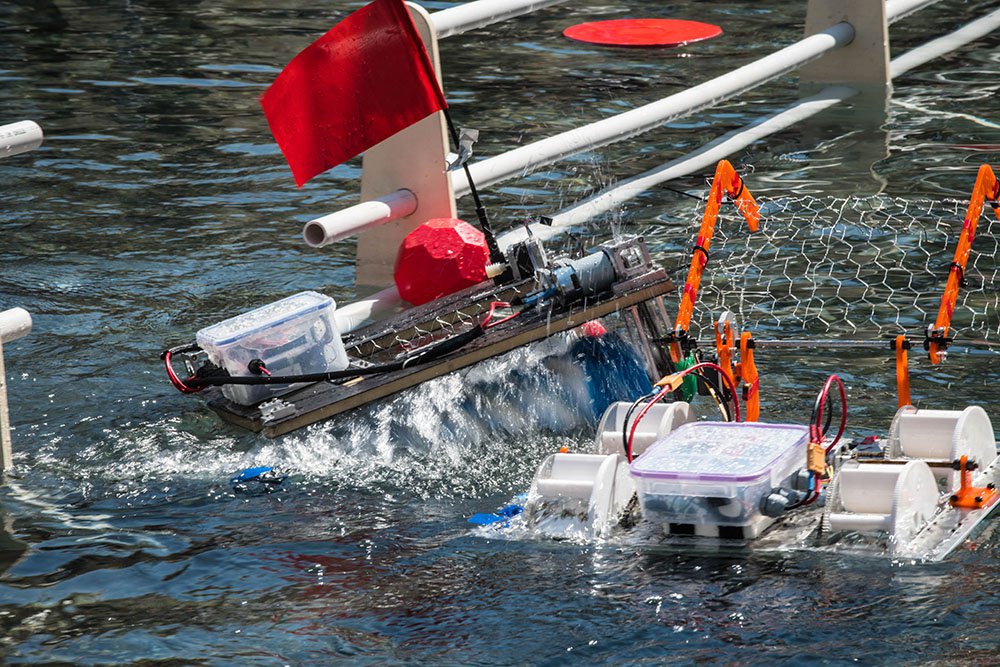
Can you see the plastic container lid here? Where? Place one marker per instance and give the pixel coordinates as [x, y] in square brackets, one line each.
[720, 451]
[263, 318]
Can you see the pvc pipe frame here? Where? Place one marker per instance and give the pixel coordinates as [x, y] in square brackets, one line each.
[472, 15]
[616, 128]
[14, 323]
[449, 22]
[649, 116]
[341, 224]
[20, 137]
[726, 145]
[353, 315]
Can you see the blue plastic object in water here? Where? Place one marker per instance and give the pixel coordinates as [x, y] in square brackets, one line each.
[502, 514]
[261, 479]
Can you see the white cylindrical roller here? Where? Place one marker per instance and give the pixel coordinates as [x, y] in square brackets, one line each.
[19, 137]
[661, 419]
[355, 219]
[973, 437]
[568, 475]
[915, 501]
[14, 323]
[899, 499]
[868, 489]
[576, 466]
[927, 434]
[842, 522]
[565, 488]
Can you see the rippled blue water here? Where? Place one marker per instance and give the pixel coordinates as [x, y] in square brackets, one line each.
[159, 204]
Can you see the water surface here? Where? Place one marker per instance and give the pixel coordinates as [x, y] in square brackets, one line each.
[159, 205]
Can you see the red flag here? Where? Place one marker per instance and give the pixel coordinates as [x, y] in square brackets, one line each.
[362, 82]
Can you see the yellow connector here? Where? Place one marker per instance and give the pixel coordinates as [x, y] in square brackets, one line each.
[816, 458]
[673, 381]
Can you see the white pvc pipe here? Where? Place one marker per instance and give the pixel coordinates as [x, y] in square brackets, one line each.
[942, 45]
[472, 15]
[703, 158]
[353, 315]
[355, 219]
[706, 156]
[897, 9]
[623, 126]
[493, 170]
[14, 323]
[726, 145]
[20, 137]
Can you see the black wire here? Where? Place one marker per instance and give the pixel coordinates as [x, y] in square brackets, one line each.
[681, 192]
[721, 400]
[628, 416]
[815, 412]
[496, 256]
[428, 354]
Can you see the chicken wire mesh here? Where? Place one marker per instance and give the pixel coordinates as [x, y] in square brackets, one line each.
[851, 267]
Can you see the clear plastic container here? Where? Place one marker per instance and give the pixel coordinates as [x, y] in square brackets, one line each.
[293, 336]
[715, 473]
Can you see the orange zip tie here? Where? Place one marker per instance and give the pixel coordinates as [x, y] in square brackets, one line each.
[901, 345]
[725, 181]
[986, 188]
[751, 381]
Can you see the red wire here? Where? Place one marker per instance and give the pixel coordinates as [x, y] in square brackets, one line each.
[638, 418]
[176, 381]
[487, 323]
[815, 428]
[666, 390]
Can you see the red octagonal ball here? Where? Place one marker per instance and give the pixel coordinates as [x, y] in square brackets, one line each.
[440, 257]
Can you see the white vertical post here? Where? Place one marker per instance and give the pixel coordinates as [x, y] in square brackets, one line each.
[6, 453]
[14, 324]
[414, 159]
[866, 59]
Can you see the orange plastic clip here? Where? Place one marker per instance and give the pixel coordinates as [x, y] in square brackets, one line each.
[987, 188]
[968, 496]
[724, 346]
[751, 381]
[901, 345]
[727, 181]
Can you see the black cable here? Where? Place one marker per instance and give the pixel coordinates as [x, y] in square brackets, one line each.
[721, 400]
[681, 192]
[428, 354]
[815, 413]
[628, 416]
[496, 256]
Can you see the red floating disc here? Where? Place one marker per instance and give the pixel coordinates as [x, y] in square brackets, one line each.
[642, 32]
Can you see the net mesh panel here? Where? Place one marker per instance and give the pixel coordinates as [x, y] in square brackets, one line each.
[850, 267]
